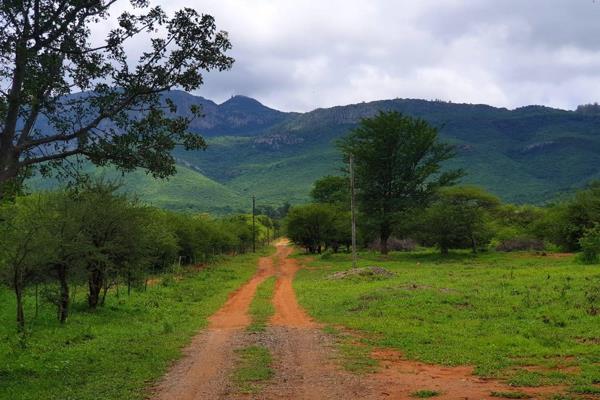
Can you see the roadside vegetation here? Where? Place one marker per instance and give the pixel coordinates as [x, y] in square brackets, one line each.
[114, 351]
[99, 240]
[262, 307]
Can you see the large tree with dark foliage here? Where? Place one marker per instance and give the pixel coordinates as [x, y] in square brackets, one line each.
[66, 93]
[397, 166]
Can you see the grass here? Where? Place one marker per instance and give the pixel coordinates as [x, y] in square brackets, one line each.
[583, 389]
[262, 307]
[501, 313]
[252, 369]
[510, 395]
[424, 394]
[353, 356]
[117, 351]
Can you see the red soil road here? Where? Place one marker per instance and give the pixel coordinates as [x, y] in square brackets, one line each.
[202, 372]
[304, 356]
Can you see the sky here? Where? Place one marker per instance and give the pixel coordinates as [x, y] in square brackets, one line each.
[298, 55]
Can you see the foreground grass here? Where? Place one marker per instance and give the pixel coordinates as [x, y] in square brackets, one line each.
[262, 307]
[502, 313]
[424, 394]
[252, 369]
[118, 350]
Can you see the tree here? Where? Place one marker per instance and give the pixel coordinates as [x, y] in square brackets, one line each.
[458, 218]
[397, 166]
[112, 229]
[62, 96]
[332, 190]
[314, 226]
[23, 248]
[565, 223]
[62, 220]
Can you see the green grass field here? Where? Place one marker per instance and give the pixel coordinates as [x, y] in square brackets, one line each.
[117, 351]
[497, 312]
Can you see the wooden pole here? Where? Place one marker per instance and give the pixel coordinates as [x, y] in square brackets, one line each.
[353, 211]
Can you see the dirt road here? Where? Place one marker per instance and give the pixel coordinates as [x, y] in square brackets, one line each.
[304, 356]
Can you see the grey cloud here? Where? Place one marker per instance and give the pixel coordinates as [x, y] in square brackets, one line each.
[299, 55]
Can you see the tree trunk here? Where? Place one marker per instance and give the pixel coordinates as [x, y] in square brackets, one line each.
[95, 283]
[384, 235]
[444, 250]
[20, 312]
[18, 287]
[474, 245]
[129, 284]
[37, 300]
[63, 301]
[104, 292]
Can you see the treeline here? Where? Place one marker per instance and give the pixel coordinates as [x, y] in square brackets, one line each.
[406, 200]
[92, 235]
[458, 217]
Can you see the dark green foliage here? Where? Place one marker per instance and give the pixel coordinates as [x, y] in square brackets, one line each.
[94, 235]
[318, 226]
[64, 96]
[566, 222]
[458, 218]
[590, 245]
[333, 190]
[397, 167]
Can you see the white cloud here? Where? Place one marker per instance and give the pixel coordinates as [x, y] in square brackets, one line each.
[299, 55]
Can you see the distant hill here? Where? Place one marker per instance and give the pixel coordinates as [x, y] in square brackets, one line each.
[528, 155]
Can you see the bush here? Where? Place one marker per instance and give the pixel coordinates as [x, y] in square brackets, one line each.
[394, 244]
[590, 245]
[520, 244]
[318, 226]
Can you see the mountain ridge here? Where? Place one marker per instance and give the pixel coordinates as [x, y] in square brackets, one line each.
[529, 154]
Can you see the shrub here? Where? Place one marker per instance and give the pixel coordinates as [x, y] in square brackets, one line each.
[590, 245]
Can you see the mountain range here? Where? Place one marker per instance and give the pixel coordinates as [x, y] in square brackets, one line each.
[532, 154]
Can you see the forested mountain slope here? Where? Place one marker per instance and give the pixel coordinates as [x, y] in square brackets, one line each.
[530, 154]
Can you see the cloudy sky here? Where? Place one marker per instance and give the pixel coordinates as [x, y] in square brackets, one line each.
[297, 55]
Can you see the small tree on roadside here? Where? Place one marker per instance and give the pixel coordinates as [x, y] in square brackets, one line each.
[397, 166]
[24, 246]
[314, 226]
[458, 218]
[112, 229]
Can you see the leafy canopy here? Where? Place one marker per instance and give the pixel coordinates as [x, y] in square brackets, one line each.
[64, 93]
[398, 165]
[331, 190]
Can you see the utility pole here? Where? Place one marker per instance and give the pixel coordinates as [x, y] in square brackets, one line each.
[254, 224]
[353, 211]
